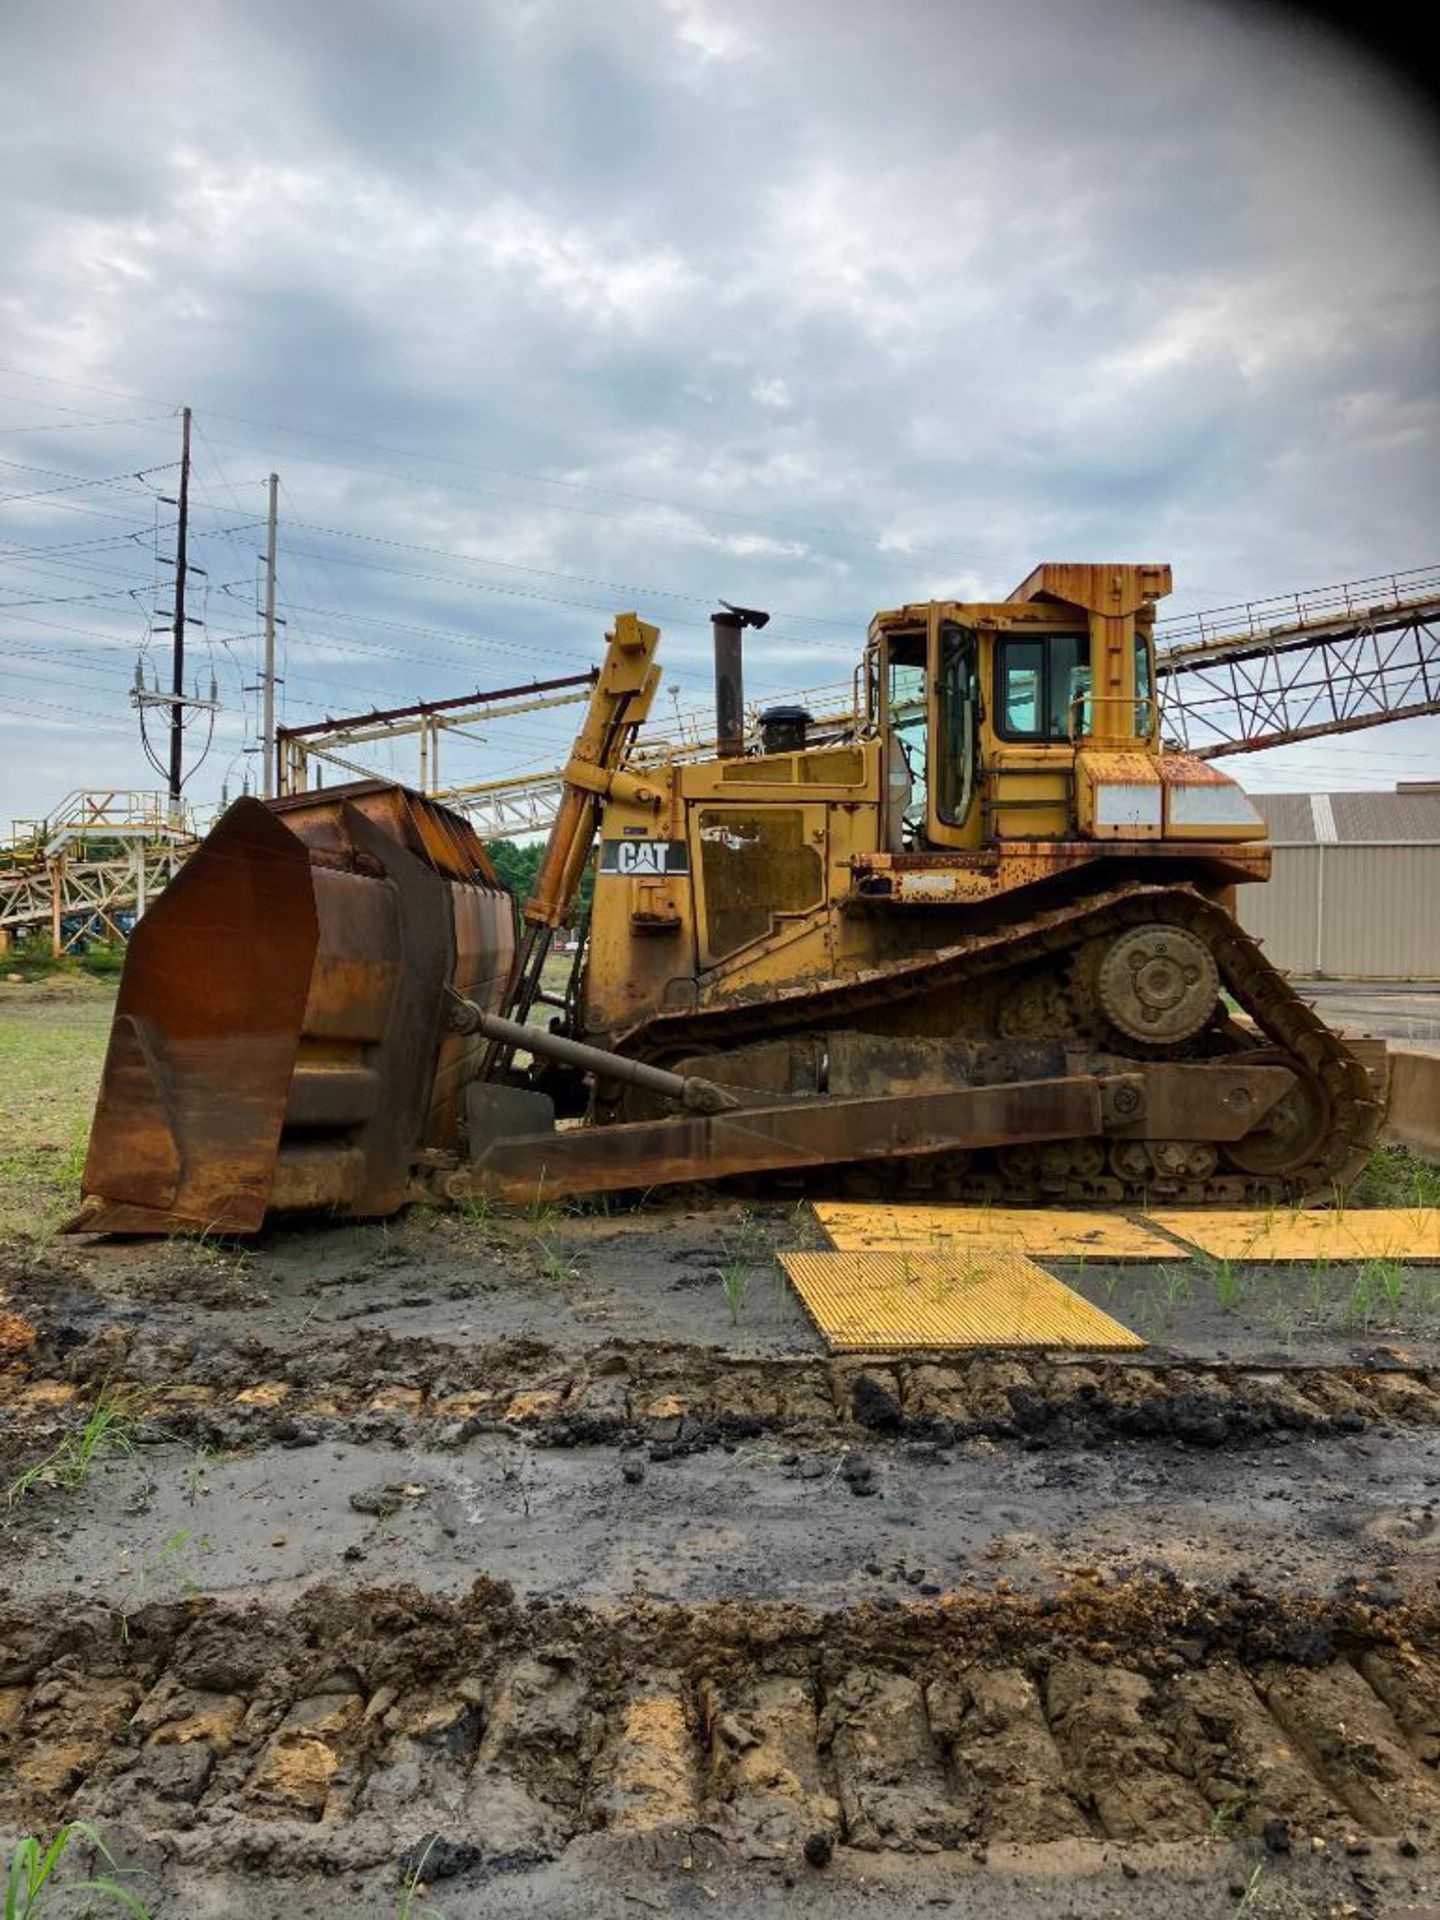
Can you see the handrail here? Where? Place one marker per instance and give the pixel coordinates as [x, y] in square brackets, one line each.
[1290, 612]
[99, 813]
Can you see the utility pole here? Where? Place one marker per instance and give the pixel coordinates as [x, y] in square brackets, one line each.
[267, 678]
[146, 698]
[177, 710]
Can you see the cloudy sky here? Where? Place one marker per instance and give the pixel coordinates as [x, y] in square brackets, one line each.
[542, 310]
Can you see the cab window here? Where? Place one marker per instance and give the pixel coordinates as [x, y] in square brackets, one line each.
[1042, 689]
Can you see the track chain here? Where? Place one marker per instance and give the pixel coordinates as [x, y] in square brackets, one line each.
[1288, 1024]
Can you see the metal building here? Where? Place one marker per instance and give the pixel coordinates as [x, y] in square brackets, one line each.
[1355, 890]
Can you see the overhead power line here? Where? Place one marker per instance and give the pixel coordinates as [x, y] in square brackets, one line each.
[755, 520]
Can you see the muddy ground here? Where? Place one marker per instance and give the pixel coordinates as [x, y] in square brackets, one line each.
[528, 1542]
[548, 1565]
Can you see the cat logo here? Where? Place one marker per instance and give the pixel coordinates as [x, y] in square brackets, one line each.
[643, 859]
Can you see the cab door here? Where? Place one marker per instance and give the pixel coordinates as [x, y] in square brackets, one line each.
[906, 728]
[956, 712]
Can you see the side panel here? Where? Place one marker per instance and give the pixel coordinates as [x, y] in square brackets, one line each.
[1118, 796]
[1026, 793]
[759, 872]
[1201, 803]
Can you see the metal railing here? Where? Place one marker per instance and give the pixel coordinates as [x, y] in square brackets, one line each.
[88, 869]
[1335, 661]
[1352, 600]
[100, 813]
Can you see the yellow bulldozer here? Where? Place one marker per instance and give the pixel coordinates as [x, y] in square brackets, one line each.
[979, 942]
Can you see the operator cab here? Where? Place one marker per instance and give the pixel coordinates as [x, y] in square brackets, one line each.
[982, 708]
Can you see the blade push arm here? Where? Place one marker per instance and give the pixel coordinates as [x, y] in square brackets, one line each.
[619, 705]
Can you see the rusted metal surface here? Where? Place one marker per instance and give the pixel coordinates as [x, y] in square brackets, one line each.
[280, 1038]
[729, 685]
[1103, 587]
[1157, 985]
[1203, 804]
[1285, 1160]
[198, 1071]
[1209, 1100]
[691, 1091]
[1414, 1117]
[1180, 1100]
[931, 879]
[761, 905]
[805, 1133]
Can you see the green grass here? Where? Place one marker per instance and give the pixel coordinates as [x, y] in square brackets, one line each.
[30, 1886]
[553, 1264]
[476, 1209]
[413, 1886]
[1229, 1286]
[1176, 1282]
[1389, 1278]
[735, 1284]
[1225, 1820]
[110, 1431]
[52, 1047]
[1395, 1178]
[1267, 1898]
[1325, 1296]
[743, 1249]
[1378, 1296]
[179, 1554]
[542, 1214]
[38, 960]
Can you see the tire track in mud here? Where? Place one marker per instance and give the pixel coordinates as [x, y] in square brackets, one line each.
[354, 1725]
[681, 1399]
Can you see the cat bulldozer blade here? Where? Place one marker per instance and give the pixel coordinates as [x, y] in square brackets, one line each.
[977, 942]
[280, 1039]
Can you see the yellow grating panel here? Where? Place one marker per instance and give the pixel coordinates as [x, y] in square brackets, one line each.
[888, 1302]
[943, 1229]
[1357, 1233]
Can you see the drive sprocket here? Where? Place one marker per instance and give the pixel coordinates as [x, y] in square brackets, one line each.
[1157, 985]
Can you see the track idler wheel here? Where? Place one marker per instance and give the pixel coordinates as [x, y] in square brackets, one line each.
[1289, 1136]
[1157, 985]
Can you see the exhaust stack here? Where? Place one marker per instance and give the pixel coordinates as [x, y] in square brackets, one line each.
[727, 627]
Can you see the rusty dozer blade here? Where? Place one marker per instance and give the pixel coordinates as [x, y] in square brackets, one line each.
[279, 1040]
